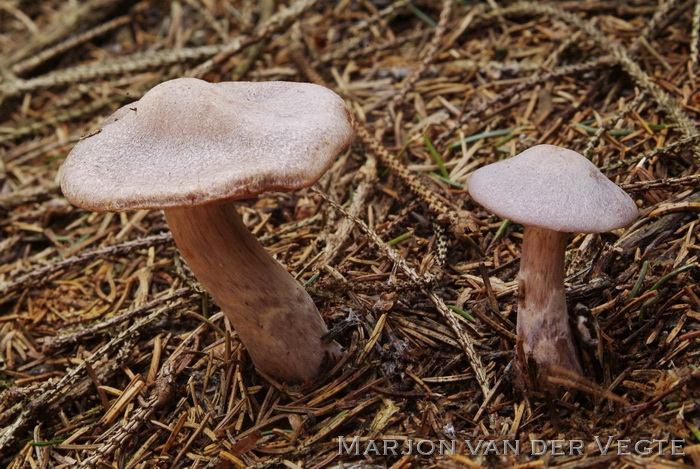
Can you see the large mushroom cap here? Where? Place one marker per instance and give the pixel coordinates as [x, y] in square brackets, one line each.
[188, 142]
[553, 188]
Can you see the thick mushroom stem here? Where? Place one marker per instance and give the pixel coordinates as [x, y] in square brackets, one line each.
[543, 324]
[274, 316]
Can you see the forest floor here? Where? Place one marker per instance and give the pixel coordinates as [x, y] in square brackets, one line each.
[112, 356]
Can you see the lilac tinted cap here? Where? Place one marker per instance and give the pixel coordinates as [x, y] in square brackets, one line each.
[553, 188]
[188, 142]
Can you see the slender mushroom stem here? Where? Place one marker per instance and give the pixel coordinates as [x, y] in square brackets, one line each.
[274, 316]
[543, 324]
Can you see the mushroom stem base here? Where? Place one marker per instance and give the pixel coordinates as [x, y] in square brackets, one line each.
[274, 316]
[543, 323]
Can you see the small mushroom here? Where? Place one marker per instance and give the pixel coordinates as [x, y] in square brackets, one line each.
[192, 148]
[552, 191]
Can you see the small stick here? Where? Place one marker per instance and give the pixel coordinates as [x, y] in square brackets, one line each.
[84, 334]
[42, 273]
[34, 61]
[691, 180]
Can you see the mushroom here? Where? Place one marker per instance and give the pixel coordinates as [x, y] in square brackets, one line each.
[192, 148]
[552, 191]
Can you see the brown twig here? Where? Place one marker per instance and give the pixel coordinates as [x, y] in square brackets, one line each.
[50, 346]
[43, 273]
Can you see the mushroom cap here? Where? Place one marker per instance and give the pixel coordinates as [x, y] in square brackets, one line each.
[188, 142]
[552, 188]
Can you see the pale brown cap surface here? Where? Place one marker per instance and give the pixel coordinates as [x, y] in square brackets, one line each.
[553, 188]
[188, 142]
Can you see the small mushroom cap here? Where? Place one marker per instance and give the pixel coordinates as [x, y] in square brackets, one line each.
[553, 188]
[188, 142]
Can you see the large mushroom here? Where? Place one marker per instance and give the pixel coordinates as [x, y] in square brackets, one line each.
[552, 191]
[192, 148]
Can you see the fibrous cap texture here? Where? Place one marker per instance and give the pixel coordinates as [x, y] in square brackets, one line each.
[553, 188]
[188, 142]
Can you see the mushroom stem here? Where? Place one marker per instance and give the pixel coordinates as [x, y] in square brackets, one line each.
[274, 316]
[543, 323]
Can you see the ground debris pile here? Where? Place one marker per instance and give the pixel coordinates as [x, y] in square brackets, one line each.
[111, 355]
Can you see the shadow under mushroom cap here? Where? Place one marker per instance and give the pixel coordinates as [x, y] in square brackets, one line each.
[188, 142]
[553, 188]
